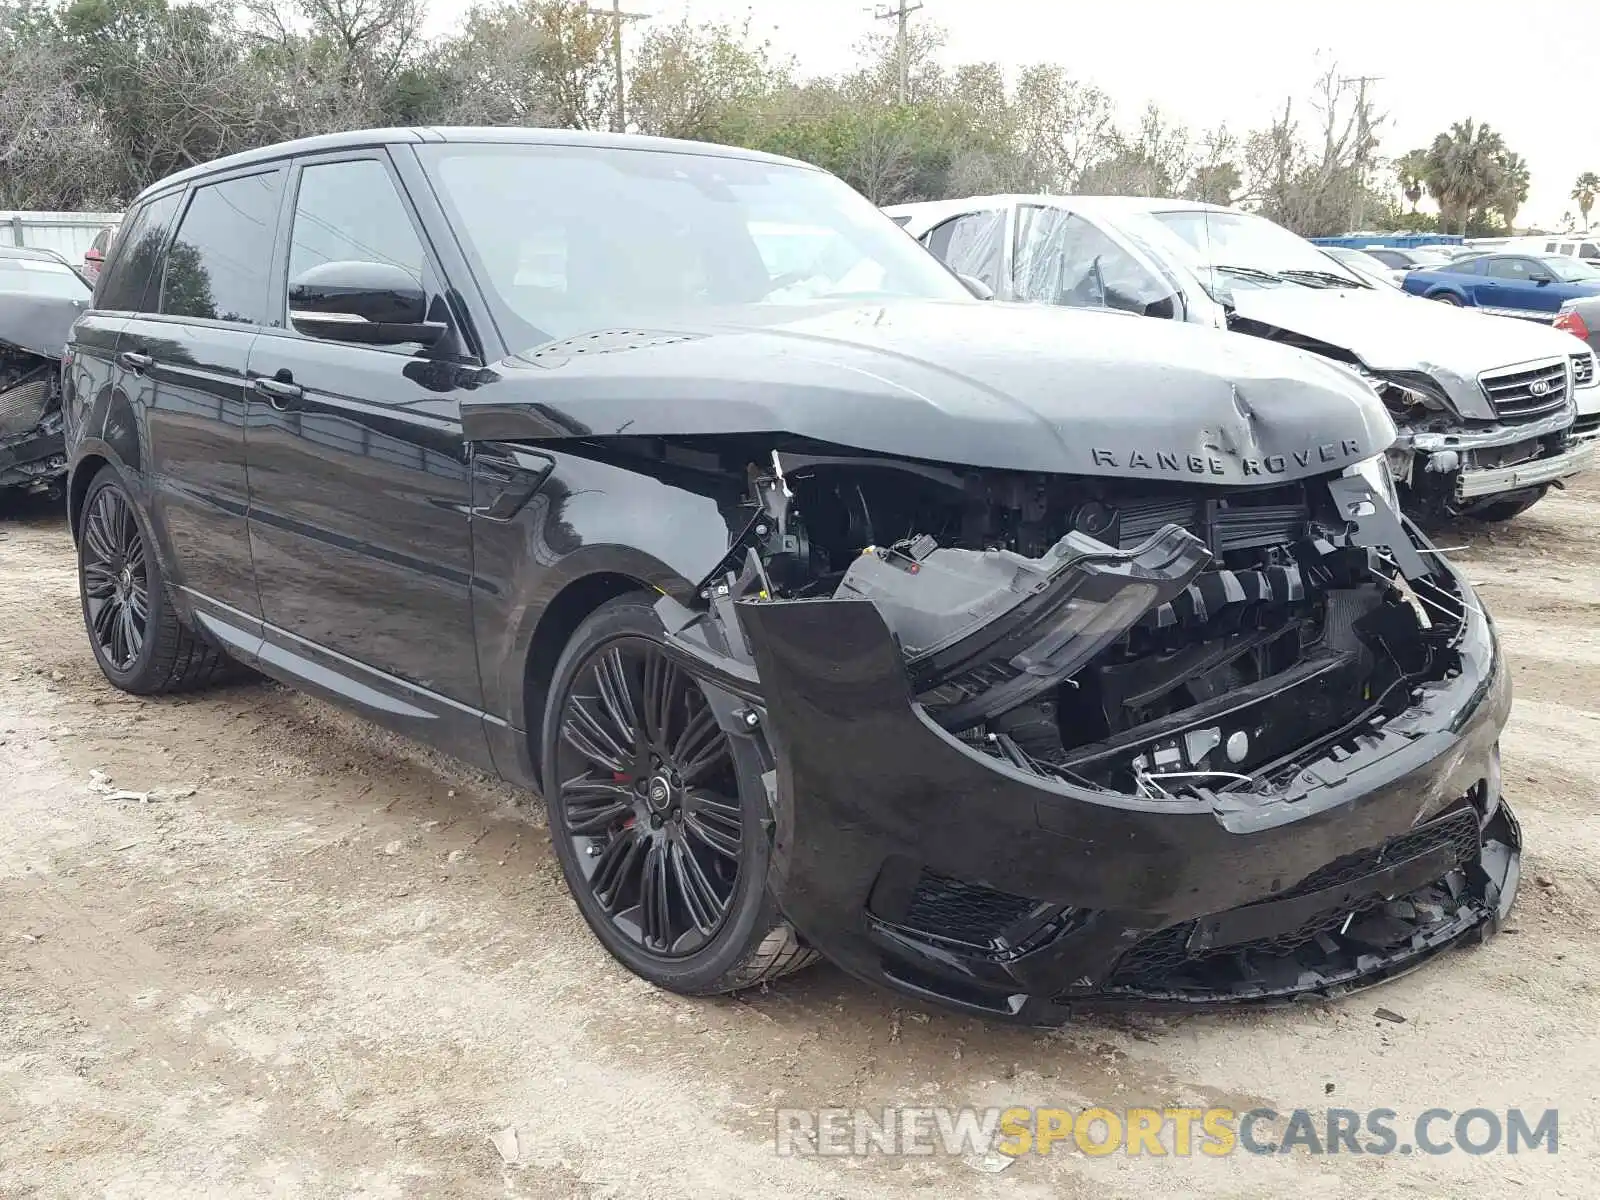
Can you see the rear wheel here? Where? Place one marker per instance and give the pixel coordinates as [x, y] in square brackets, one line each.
[660, 835]
[138, 640]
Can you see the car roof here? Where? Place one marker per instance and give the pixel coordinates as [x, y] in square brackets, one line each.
[927, 213]
[31, 253]
[510, 135]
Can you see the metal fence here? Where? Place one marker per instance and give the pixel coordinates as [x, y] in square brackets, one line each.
[67, 233]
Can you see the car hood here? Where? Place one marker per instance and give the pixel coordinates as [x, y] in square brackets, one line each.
[37, 324]
[1017, 387]
[1450, 344]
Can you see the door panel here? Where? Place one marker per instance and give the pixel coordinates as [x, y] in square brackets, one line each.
[359, 512]
[358, 470]
[187, 381]
[184, 369]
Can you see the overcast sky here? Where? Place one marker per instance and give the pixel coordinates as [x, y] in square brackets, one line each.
[1524, 68]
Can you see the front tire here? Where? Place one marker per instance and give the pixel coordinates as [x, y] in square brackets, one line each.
[1506, 510]
[137, 637]
[662, 837]
[1445, 298]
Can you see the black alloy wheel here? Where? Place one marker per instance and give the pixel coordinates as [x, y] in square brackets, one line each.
[140, 642]
[648, 798]
[659, 817]
[116, 579]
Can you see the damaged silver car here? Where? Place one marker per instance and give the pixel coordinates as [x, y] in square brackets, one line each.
[1485, 406]
[40, 298]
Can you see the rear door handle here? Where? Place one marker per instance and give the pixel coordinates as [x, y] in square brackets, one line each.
[135, 360]
[282, 394]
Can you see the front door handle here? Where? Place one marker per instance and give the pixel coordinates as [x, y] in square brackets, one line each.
[282, 394]
[135, 360]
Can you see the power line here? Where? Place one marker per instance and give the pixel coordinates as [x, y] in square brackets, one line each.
[619, 119]
[901, 15]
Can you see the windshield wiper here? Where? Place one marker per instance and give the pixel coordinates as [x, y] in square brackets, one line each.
[1248, 272]
[1328, 277]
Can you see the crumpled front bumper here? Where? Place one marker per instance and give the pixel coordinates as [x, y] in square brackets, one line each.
[36, 459]
[914, 860]
[1465, 458]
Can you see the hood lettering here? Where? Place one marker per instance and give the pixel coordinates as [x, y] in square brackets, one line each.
[1209, 464]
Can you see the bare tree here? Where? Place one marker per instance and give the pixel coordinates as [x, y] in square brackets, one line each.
[880, 164]
[687, 77]
[1061, 124]
[535, 62]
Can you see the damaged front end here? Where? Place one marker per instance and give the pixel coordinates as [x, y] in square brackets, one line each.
[1035, 743]
[32, 446]
[1517, 441]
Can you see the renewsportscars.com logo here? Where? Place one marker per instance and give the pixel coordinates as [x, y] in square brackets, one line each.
[1180, 1132]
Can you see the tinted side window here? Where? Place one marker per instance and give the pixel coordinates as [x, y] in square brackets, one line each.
[972, 245]
[217, 266]
[1064, 259]
[1511, 268]
[1588, 250]
[135, 266]
[1390, 258]
[351, 212]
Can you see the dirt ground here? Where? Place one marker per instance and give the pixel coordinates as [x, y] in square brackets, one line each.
[320, 962]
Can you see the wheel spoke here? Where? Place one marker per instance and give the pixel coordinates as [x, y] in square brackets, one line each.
[132, 638]
[139, 602]
[700, 736]
[616, 866]
[700, 899]
[655, 905]
[718, 840]
[95, 535]
[101, 617]
[585, 733]
[593, 806]
[659, 677]
[616, 693]
[98, 581]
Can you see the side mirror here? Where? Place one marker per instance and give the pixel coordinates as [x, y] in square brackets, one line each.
[1541, 280]
[376, 304]
[977, 287]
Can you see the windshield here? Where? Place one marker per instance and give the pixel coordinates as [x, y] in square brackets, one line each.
[1570, 270]
[1264, 254]
[41, 277]
[574, 238]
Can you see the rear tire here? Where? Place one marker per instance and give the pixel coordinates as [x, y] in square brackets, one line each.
[134, 630]
[661, 837]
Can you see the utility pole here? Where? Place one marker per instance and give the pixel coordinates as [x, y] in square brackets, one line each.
[619, 118]
[902, 15]
[1363, 135]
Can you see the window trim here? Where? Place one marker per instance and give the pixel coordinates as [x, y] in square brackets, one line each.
[999, 283]
[1135, 253]
[120, 247]
[277, 323]
[190, 193]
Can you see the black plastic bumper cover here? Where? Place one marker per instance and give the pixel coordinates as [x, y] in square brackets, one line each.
[913, 860]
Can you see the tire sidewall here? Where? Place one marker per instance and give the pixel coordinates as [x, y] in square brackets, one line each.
[135, 677]
[751, 908]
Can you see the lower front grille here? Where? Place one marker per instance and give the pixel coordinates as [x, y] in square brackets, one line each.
[1527, 393]
[1163, 958]
[963, 912]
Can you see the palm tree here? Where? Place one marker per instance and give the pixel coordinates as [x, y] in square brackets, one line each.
[1513, 188]
[1462, 173]
[1410, 169]
[1584, 192]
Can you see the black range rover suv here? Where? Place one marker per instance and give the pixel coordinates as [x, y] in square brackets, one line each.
[1019, 659]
